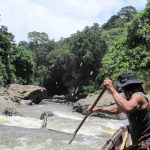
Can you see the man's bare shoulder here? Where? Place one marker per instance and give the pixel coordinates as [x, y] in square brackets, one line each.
[140, 99]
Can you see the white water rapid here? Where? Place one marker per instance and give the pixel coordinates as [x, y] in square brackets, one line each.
[25, 132]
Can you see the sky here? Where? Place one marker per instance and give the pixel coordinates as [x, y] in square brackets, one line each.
[58, 18]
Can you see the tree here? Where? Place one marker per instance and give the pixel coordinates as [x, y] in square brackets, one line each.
[115, 61]
[58, 68]
[40, 45]
[6, 39]
[88, 48]
[15, 61]
[123, 16]
[24, 65]
[38, 37]
[111, 23]
[127, 12]
[131, 52]
[139, 38]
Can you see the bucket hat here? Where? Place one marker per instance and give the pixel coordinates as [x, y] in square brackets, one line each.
[128, 77]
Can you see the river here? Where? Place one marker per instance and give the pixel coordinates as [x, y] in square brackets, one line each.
[25, 132]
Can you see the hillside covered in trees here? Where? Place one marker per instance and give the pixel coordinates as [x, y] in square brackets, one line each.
[79, 63]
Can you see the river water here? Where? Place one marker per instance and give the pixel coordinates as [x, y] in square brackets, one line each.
[25, 132]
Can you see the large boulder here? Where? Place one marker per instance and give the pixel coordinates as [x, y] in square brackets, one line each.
[7, 106]
[77, 107]
[27, 92]
[10, 111]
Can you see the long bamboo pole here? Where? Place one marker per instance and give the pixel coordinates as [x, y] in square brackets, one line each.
[93, 105]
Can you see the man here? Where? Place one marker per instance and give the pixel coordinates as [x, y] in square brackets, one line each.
[135, 105]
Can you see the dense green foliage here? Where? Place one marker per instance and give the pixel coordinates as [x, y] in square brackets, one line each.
[131, 51]
[16, 63]
[80, 62]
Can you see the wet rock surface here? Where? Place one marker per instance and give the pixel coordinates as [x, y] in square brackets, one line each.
[27, 92]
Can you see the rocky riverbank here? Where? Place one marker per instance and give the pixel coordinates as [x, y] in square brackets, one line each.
[16, 95]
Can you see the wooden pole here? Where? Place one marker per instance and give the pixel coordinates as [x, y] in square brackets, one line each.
[93, 105]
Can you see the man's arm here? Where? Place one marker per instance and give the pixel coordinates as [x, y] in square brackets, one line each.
[136, 102]
[108, 110]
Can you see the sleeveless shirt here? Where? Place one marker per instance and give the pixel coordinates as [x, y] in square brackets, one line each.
[139, 123]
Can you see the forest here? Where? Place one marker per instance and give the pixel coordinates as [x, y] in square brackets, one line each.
[79, 63]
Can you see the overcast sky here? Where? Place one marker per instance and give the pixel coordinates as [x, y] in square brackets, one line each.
[58, 18]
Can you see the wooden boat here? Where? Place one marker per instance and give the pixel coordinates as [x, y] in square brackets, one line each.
[119, 140]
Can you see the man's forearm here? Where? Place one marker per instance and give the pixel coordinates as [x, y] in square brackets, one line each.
[109, 110]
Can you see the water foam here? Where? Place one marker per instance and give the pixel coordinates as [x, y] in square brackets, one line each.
[18, 121]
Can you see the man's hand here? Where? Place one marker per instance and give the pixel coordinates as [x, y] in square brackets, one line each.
[90, 111]
[109, 85]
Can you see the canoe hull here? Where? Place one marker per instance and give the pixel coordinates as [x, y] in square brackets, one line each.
[119, 140]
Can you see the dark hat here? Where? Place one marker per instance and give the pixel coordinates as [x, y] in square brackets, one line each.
[128, 77]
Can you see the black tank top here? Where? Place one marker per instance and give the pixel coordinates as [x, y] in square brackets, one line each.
[139, 124]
